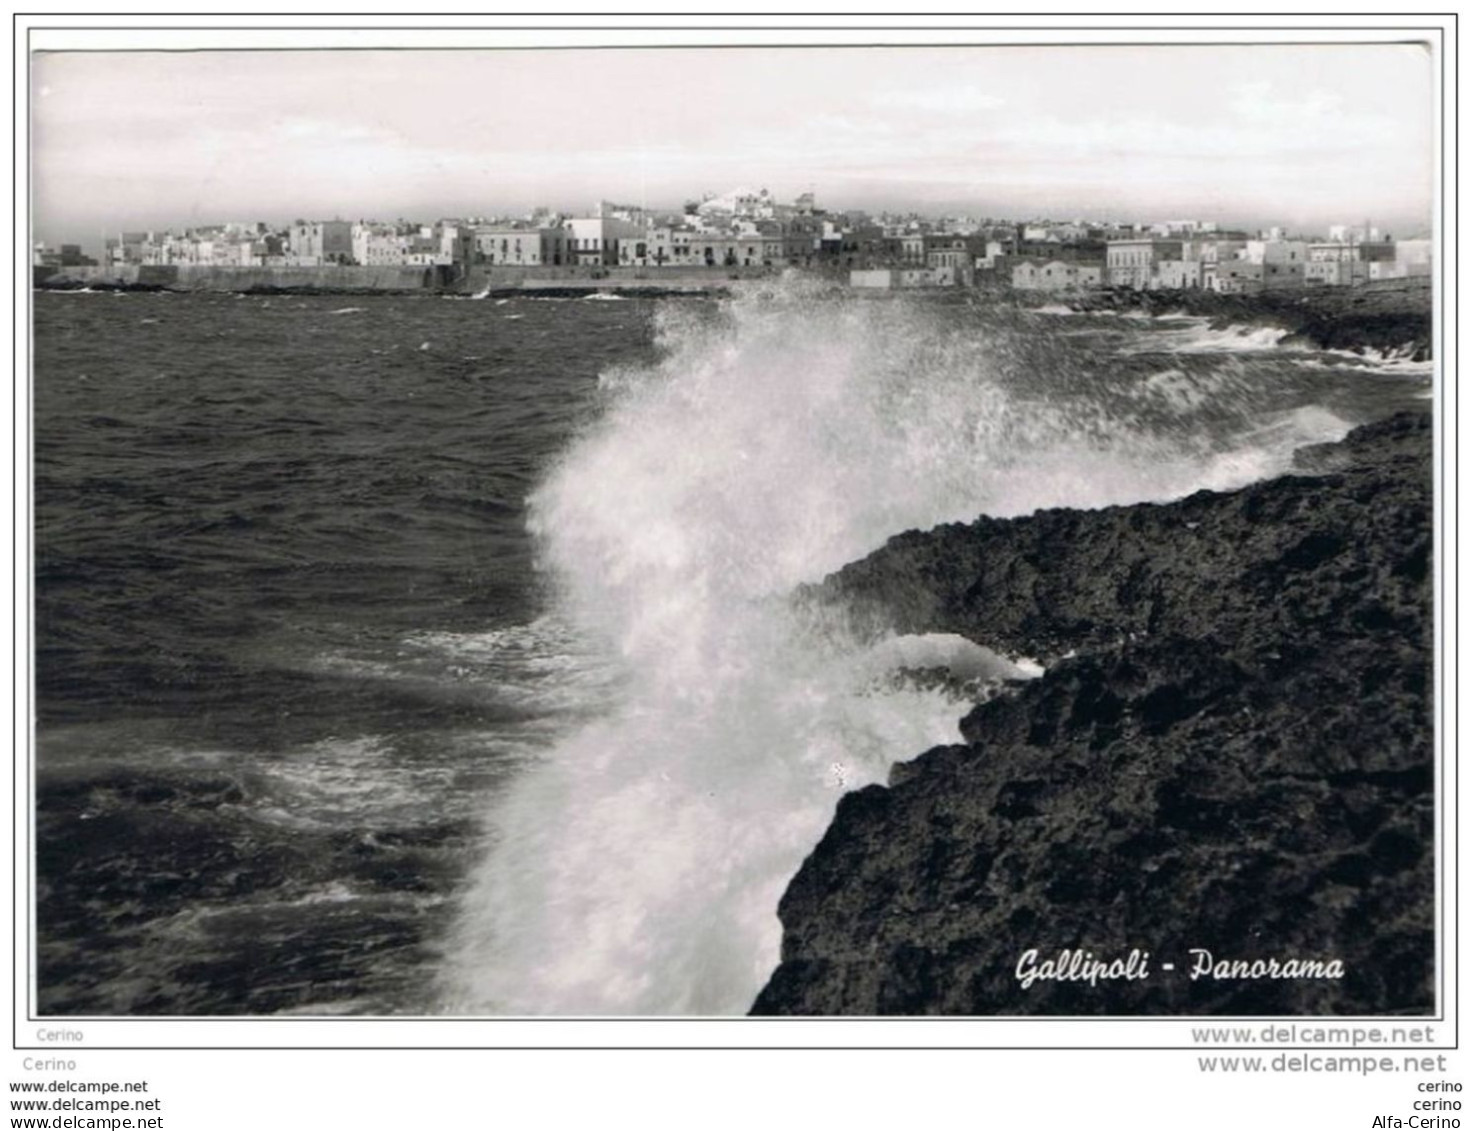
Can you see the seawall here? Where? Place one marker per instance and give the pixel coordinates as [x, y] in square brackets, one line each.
[188, 277]
[398, 280]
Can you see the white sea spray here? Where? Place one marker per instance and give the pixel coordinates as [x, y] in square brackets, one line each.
[636, 869]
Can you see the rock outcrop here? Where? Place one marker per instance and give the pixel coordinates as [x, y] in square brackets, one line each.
[1390, 317]
[1231, 750]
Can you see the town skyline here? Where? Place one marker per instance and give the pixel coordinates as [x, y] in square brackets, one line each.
[1251, 135]
[746, 231]
[541, 215]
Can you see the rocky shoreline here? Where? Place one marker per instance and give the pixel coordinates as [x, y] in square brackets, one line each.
[1231, 750]
[1390, 318]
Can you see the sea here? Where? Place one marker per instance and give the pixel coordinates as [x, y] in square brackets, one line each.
[427, 655]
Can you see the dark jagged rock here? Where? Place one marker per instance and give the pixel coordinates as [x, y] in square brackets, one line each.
[1393, 317]
[1231, 749]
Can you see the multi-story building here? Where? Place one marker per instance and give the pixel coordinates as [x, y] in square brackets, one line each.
[315, 243]
[680, 246]
[1130, 262]
[911, 248]
[1336, 272]
[456, 243]
[594, 239]
[950, 258]
[376, 245]
[424, 249]
[522, 247]
[731, 250]
[711, 249]
[652, 247]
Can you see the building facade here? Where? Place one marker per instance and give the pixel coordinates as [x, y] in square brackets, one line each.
[521, 247]
[1056, 275]
[315, 243]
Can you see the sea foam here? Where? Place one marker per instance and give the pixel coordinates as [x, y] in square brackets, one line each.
[637, 867]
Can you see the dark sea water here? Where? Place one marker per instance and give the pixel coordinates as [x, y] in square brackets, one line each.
[413, 655]
[267, 531]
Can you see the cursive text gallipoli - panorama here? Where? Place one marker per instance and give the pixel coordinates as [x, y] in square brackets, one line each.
[1079, 965]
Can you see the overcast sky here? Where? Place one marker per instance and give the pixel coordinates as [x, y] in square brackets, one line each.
[1304, 136]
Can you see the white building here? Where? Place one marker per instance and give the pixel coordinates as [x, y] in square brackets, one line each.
[594, 239]
[378, 245]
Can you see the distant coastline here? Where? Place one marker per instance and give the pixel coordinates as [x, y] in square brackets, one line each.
[1392, 316]
[1388, 316]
